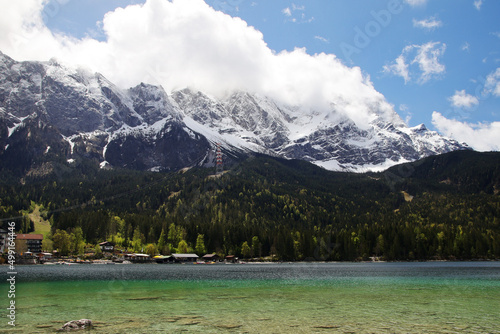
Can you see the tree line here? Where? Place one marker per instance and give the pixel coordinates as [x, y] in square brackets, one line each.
[265, 207]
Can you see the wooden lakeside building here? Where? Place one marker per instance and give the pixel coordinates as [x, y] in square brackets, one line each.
[231, 259]
[137, 258]
[161, 259]
[211, 257]
[185, 258]
[107, 246]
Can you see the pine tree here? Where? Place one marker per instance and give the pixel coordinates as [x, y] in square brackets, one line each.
[162, 243]
[256, 247]
[137, 240]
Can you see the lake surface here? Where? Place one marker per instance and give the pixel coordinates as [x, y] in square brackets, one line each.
[433, 297]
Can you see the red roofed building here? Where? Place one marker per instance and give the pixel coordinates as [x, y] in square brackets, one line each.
[33, 242]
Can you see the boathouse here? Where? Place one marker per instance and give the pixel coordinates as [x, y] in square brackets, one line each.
[137, 258]
[163, 259]
[44, 257]
[210, 257]
[185, 257]
[231, 259]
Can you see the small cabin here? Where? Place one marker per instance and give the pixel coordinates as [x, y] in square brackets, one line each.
[107, 246]
[210, 257]
[231, 259]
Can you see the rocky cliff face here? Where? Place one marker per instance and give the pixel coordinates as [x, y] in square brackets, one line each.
[52, 113]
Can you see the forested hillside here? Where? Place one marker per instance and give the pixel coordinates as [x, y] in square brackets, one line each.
[442, 207]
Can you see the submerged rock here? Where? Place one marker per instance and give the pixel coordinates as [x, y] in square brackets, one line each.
[230, 326]
[74, 325]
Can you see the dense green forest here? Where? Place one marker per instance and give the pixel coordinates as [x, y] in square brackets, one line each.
[442, 207]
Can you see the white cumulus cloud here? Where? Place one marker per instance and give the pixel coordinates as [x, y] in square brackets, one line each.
[429, 24]
[187, 43]
[481, 137]
[478, 4]
[463, 100]
[428, 59]
[492, 84]
[399, 68]
[423, 60]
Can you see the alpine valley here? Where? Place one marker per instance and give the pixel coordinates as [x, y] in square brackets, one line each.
[83, 161]
[54, 116]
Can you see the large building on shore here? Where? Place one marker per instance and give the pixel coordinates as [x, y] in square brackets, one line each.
[29, 243]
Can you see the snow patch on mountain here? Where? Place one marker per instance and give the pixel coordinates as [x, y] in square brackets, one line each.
[19, 123]
[227, 139]
[335, 166]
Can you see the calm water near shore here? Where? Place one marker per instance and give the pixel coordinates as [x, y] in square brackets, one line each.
[434, 297]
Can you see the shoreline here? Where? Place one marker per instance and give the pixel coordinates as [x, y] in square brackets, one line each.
[70, 263]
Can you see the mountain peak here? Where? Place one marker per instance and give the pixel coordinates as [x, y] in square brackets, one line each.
[419, 128]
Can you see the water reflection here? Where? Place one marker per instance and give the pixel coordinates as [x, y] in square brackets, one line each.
[298, 271]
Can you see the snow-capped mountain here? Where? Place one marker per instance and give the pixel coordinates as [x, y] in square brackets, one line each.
[50, 112]
[332, 140]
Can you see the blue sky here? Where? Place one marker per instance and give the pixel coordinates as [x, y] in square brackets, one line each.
[436, 61]
[471, 34]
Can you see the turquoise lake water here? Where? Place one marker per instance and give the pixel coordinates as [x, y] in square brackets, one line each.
[435, 297]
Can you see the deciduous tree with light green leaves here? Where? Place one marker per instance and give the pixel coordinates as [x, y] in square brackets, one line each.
[182, 247]
[62, 242]
[246, 251]
[97, 252]
[151, 250]
[200, 245]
